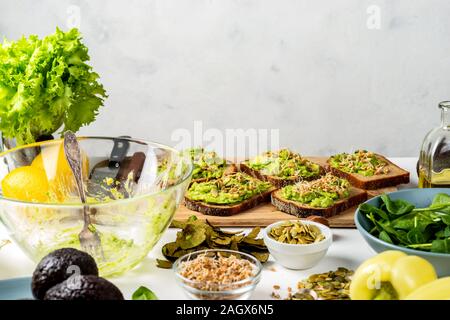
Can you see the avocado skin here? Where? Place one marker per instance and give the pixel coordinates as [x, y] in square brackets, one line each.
[81, 287]
[54, 269]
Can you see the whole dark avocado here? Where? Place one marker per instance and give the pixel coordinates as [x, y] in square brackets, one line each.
[79, 287]
[58, 266]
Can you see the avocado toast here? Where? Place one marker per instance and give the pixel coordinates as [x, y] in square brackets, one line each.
[208, 165]
[326, 196]
[281, 168]
[367, 170]
[227, 195]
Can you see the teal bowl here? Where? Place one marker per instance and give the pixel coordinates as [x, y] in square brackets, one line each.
[420, 198]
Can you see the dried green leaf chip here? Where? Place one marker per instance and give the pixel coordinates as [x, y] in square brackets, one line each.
[192, 236]
[197, 235]
[164, 264]
[254, 233]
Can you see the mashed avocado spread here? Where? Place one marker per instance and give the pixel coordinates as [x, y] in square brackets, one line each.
[361, 162]
[207, 164]
[284, 164]
[227, 190]
[320, 193]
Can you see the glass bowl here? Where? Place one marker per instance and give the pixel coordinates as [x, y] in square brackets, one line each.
[133, 189]
[239, 290]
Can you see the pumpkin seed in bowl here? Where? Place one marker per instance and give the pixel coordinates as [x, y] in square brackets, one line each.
[296, 232]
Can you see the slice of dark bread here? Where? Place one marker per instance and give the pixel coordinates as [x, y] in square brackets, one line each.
[228, 210]
[277, 182]
[394, 177]
[356, 196]
[230, 168]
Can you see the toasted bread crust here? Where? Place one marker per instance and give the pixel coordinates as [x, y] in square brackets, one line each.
[277, 182]
[227, 210]
[356, 197]
[396, 177]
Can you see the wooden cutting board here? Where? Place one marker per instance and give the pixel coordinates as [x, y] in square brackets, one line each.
[265, 214]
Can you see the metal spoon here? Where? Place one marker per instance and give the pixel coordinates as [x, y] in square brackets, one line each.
[89, 238]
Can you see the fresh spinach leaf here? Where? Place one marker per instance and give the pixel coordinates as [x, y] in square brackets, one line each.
[367, 208]
[399, 222]
[446, 219]
[441, 198]
[447, 232]
[144, 293]
[412, 220]
[415, 236]
[377, 225]
[401, 236]
[397, 207]
[440, 234]
[441, 246]
[385, 237]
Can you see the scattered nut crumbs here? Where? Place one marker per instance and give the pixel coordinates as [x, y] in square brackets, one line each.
[214, 272]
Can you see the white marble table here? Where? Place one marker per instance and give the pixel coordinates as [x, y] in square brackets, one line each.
[348, 250]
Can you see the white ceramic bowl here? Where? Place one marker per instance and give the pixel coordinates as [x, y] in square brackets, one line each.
[298, 256]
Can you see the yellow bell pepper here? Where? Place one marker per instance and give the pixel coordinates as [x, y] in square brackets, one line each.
[435, 290]
[390, 275]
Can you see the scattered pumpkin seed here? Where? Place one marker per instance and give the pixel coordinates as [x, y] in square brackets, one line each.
[296, 233]
[332, 285]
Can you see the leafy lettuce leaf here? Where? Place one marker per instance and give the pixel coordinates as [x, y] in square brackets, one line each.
[46, 83]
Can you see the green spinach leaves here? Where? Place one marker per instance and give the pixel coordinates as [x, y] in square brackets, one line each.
[399, 222]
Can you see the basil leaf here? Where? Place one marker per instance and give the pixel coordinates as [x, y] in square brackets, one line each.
[143, 293]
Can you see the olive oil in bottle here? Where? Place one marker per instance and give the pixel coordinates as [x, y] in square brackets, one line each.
[438, 180]
[434, 160]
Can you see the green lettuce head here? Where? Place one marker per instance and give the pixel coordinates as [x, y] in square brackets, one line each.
[45, 84]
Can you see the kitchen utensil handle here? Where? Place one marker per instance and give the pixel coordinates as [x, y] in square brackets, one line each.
[73, 156]
[119, 151]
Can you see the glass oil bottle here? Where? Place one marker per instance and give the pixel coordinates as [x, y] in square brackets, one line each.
[434, 160]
